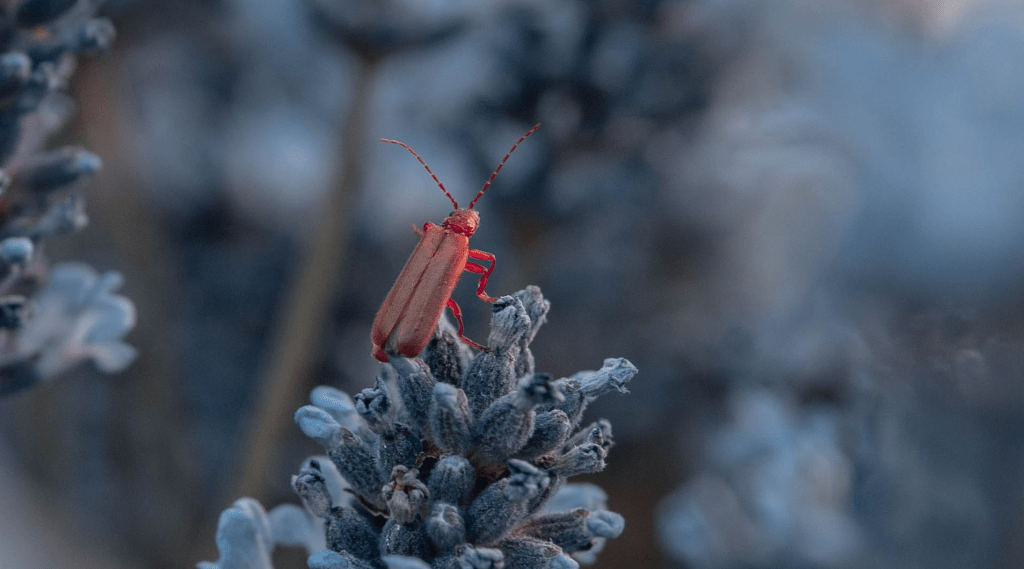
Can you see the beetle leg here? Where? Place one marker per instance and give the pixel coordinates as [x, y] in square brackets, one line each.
[458, 318]
[485, 272]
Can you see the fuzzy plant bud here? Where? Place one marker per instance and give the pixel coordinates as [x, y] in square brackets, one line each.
[502, 505]
[415, 387]
[605, 524]
[578, 495]
[613, 375]
[506, 426]
[482, 558]
[328, 559]
[357, 464]
[404, 562]
[334, 401]
[319, 425]
[397, 446]
[525, 481]
[338, 487]
[588, 385]
[576, 529]
[341, 407]
[311, 486]
[509, 323]
[451, 481]
[492, 374]
[599, 432]
[450, 419]
[522, 552]
[295, 526]
[583, 459]
[58, 169]
[445, 526]
[374, 406]
[244, 538]
[446, 355]
[537, 389]
[537, 308]
[550, 431]
[351, 531]
[404, 539]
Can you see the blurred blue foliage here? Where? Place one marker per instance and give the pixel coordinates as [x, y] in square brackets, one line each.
[51, 318]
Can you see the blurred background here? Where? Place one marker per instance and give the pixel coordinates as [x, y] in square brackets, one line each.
[800, 219]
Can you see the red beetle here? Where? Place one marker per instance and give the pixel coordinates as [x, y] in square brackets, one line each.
[406, 320]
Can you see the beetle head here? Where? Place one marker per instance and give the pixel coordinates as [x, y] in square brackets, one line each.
[464, 221]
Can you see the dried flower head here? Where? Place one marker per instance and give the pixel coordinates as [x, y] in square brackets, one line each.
[459, 460]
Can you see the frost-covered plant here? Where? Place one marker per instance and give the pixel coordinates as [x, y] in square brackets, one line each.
[50, 319]
[455, 460]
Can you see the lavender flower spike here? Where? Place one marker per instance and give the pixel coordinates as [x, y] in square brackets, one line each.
[463, 457]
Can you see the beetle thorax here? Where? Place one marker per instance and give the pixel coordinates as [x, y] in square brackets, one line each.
[464, 221]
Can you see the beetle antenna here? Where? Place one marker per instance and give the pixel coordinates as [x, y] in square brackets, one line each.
[498, 169]
[431, 172]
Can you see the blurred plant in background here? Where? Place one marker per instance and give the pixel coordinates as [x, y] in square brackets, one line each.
[51, 318]
[857, 163]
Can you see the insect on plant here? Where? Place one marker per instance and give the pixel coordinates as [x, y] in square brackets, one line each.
[406, 320]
